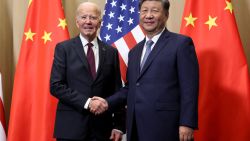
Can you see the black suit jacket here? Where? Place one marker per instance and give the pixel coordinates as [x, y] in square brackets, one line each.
[164, 94]
[72, 84]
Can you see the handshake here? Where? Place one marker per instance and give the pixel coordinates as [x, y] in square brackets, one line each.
[98, 105]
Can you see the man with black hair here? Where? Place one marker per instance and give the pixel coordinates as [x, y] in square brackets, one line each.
[162, 81]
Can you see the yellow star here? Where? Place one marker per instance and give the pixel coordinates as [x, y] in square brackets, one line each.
[29, 35]
[46, 37]
[30, 2]
[62, 23]
[229, 7]
[211, 22]
[190, 20]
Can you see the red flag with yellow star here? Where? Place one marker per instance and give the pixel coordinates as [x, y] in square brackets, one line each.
[33, 108]
[224, 98]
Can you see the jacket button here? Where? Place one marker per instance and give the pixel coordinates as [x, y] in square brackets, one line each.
[138, 84]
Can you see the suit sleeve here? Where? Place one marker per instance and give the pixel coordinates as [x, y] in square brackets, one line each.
[119, 99]
[188, 73]
[119, 118]
[58, 81]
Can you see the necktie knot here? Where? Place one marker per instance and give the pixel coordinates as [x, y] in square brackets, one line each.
[149, 43]
[90, 45]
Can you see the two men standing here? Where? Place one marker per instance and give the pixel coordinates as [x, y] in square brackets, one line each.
[161, 92]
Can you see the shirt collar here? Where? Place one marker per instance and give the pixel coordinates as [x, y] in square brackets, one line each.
[84, 42]
[156, 37]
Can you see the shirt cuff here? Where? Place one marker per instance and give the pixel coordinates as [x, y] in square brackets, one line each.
[86, 106]
[118, 131]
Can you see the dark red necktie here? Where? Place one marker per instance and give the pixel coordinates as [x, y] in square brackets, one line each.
[91, 59]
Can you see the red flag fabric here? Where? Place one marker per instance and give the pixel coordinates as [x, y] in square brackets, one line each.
[224, 110]
[2, 118]
[33, 108]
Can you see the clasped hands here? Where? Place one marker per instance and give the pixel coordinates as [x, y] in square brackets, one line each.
[98, 105]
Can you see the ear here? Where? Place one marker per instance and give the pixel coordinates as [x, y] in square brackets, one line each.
[99, 23]
[77, 22]
[167, 14]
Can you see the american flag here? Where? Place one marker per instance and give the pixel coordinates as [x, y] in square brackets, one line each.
[120, 28]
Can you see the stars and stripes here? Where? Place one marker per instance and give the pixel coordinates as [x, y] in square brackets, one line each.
[120, 27]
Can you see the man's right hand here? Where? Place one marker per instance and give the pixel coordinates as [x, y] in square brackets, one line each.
[98, 105]
[186, 133]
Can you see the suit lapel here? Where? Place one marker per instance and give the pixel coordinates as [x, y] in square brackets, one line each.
[160, 44]
[102, 53]
[80, 52]
[138, 57]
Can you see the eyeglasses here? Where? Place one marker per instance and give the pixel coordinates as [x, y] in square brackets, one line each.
[90, 17]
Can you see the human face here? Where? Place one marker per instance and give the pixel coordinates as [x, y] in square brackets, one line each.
[152, 17]
[88, 20]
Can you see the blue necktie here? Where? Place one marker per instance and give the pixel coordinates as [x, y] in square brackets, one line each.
[149, 43]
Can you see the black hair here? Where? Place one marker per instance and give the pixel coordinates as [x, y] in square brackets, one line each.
[165, 4]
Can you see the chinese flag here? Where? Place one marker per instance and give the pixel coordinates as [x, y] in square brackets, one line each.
[2, 118]
[33, 108]
[224, 96]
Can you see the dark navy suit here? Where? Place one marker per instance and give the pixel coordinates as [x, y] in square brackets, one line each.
[164, 94]
[71, 82]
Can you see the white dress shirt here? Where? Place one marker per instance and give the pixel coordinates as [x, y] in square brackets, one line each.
[96, 54]
[95, 49]
[154, 39]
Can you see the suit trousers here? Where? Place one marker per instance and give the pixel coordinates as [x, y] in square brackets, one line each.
[90, 137]
[93, 139]
[134, 133]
